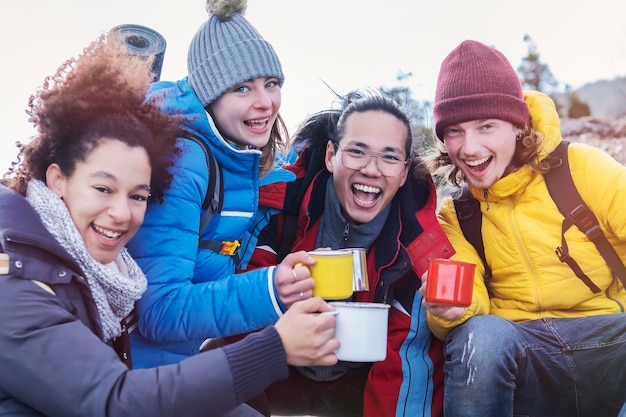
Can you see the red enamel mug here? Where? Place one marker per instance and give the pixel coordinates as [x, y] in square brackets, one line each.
[450, 282]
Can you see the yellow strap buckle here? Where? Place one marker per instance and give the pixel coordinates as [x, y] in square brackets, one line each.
[4, 264]
[229, 248]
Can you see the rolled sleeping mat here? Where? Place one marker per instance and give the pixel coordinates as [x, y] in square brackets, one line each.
[144, 41]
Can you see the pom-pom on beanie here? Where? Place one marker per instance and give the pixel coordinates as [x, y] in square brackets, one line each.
[477, 82]
[227, 50]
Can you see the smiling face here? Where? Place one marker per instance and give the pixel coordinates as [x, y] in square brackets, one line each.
[246, 113]
[106, 196]
[482, 149]
[364, 193]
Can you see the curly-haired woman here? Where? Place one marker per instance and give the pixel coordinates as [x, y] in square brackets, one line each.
[76, 196]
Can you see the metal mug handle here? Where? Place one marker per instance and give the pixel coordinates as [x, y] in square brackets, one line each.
[360, 281]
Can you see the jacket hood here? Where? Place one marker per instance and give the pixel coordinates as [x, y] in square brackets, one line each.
[545, 120]
[414, 206]
[179, 98]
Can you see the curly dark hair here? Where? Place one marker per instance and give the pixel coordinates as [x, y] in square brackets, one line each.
[99, 95]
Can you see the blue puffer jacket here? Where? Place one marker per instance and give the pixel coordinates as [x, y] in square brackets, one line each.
[194, 294]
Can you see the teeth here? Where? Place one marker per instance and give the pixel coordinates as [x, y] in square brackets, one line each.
[366, 188]
[108, 233]
[257, 122]
[478, 162]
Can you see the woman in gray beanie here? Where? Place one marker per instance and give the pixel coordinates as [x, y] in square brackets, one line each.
[230, 100]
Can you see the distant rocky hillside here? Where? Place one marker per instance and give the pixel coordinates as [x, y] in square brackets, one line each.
[606, 133]
[606, 127]
[606, 98]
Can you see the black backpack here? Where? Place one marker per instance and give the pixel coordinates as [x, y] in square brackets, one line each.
[213, 201]
[575, 212]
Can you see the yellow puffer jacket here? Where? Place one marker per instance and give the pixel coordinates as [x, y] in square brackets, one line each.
[522, 228]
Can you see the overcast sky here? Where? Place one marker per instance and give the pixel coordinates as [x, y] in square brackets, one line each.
[347, 44]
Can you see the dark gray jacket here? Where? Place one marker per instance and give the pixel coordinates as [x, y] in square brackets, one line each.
[53, 361]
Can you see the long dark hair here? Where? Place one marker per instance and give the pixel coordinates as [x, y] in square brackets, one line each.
[329, 125]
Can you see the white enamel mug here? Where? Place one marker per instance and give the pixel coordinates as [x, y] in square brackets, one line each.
[362, 331]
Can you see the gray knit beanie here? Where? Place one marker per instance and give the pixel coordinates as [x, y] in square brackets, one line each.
[228, 50]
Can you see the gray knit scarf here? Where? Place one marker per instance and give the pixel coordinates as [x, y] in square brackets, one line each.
[114, 287]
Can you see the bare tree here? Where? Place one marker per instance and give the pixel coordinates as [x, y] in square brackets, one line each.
[533, 73]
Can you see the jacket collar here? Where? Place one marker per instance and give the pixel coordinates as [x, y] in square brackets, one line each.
[413, 212]
[27, 242]
[402, 226]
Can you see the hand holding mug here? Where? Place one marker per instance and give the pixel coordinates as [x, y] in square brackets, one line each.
[308, 337]
[444, 311]
[447, 288]
[293, 278]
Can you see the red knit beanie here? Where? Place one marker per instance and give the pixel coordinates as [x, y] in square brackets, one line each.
[478, 82]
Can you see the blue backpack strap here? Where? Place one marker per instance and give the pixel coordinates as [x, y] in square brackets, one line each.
[575, 212]
[471, 222]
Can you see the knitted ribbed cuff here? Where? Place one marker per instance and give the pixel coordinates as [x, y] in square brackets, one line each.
[256, 362]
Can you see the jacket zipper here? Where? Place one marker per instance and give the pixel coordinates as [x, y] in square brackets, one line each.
[346, 235]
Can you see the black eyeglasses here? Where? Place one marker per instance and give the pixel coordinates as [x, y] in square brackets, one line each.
[388, 163]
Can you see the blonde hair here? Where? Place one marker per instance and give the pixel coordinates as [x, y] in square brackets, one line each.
[527, 150]
[278, 143]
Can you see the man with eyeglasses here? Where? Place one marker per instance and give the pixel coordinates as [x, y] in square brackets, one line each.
[359, 184]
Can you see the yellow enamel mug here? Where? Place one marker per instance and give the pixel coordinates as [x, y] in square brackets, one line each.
[332, 274]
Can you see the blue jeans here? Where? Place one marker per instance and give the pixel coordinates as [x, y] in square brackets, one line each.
[549, 367]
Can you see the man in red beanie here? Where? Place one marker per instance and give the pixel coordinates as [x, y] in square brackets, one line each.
[536, 340]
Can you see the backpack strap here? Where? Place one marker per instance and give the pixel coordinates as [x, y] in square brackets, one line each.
[569, 202]
[288, 235]
[213, 202]
[567, 198]
[311, 156]
[471, 221]
[215, 190]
